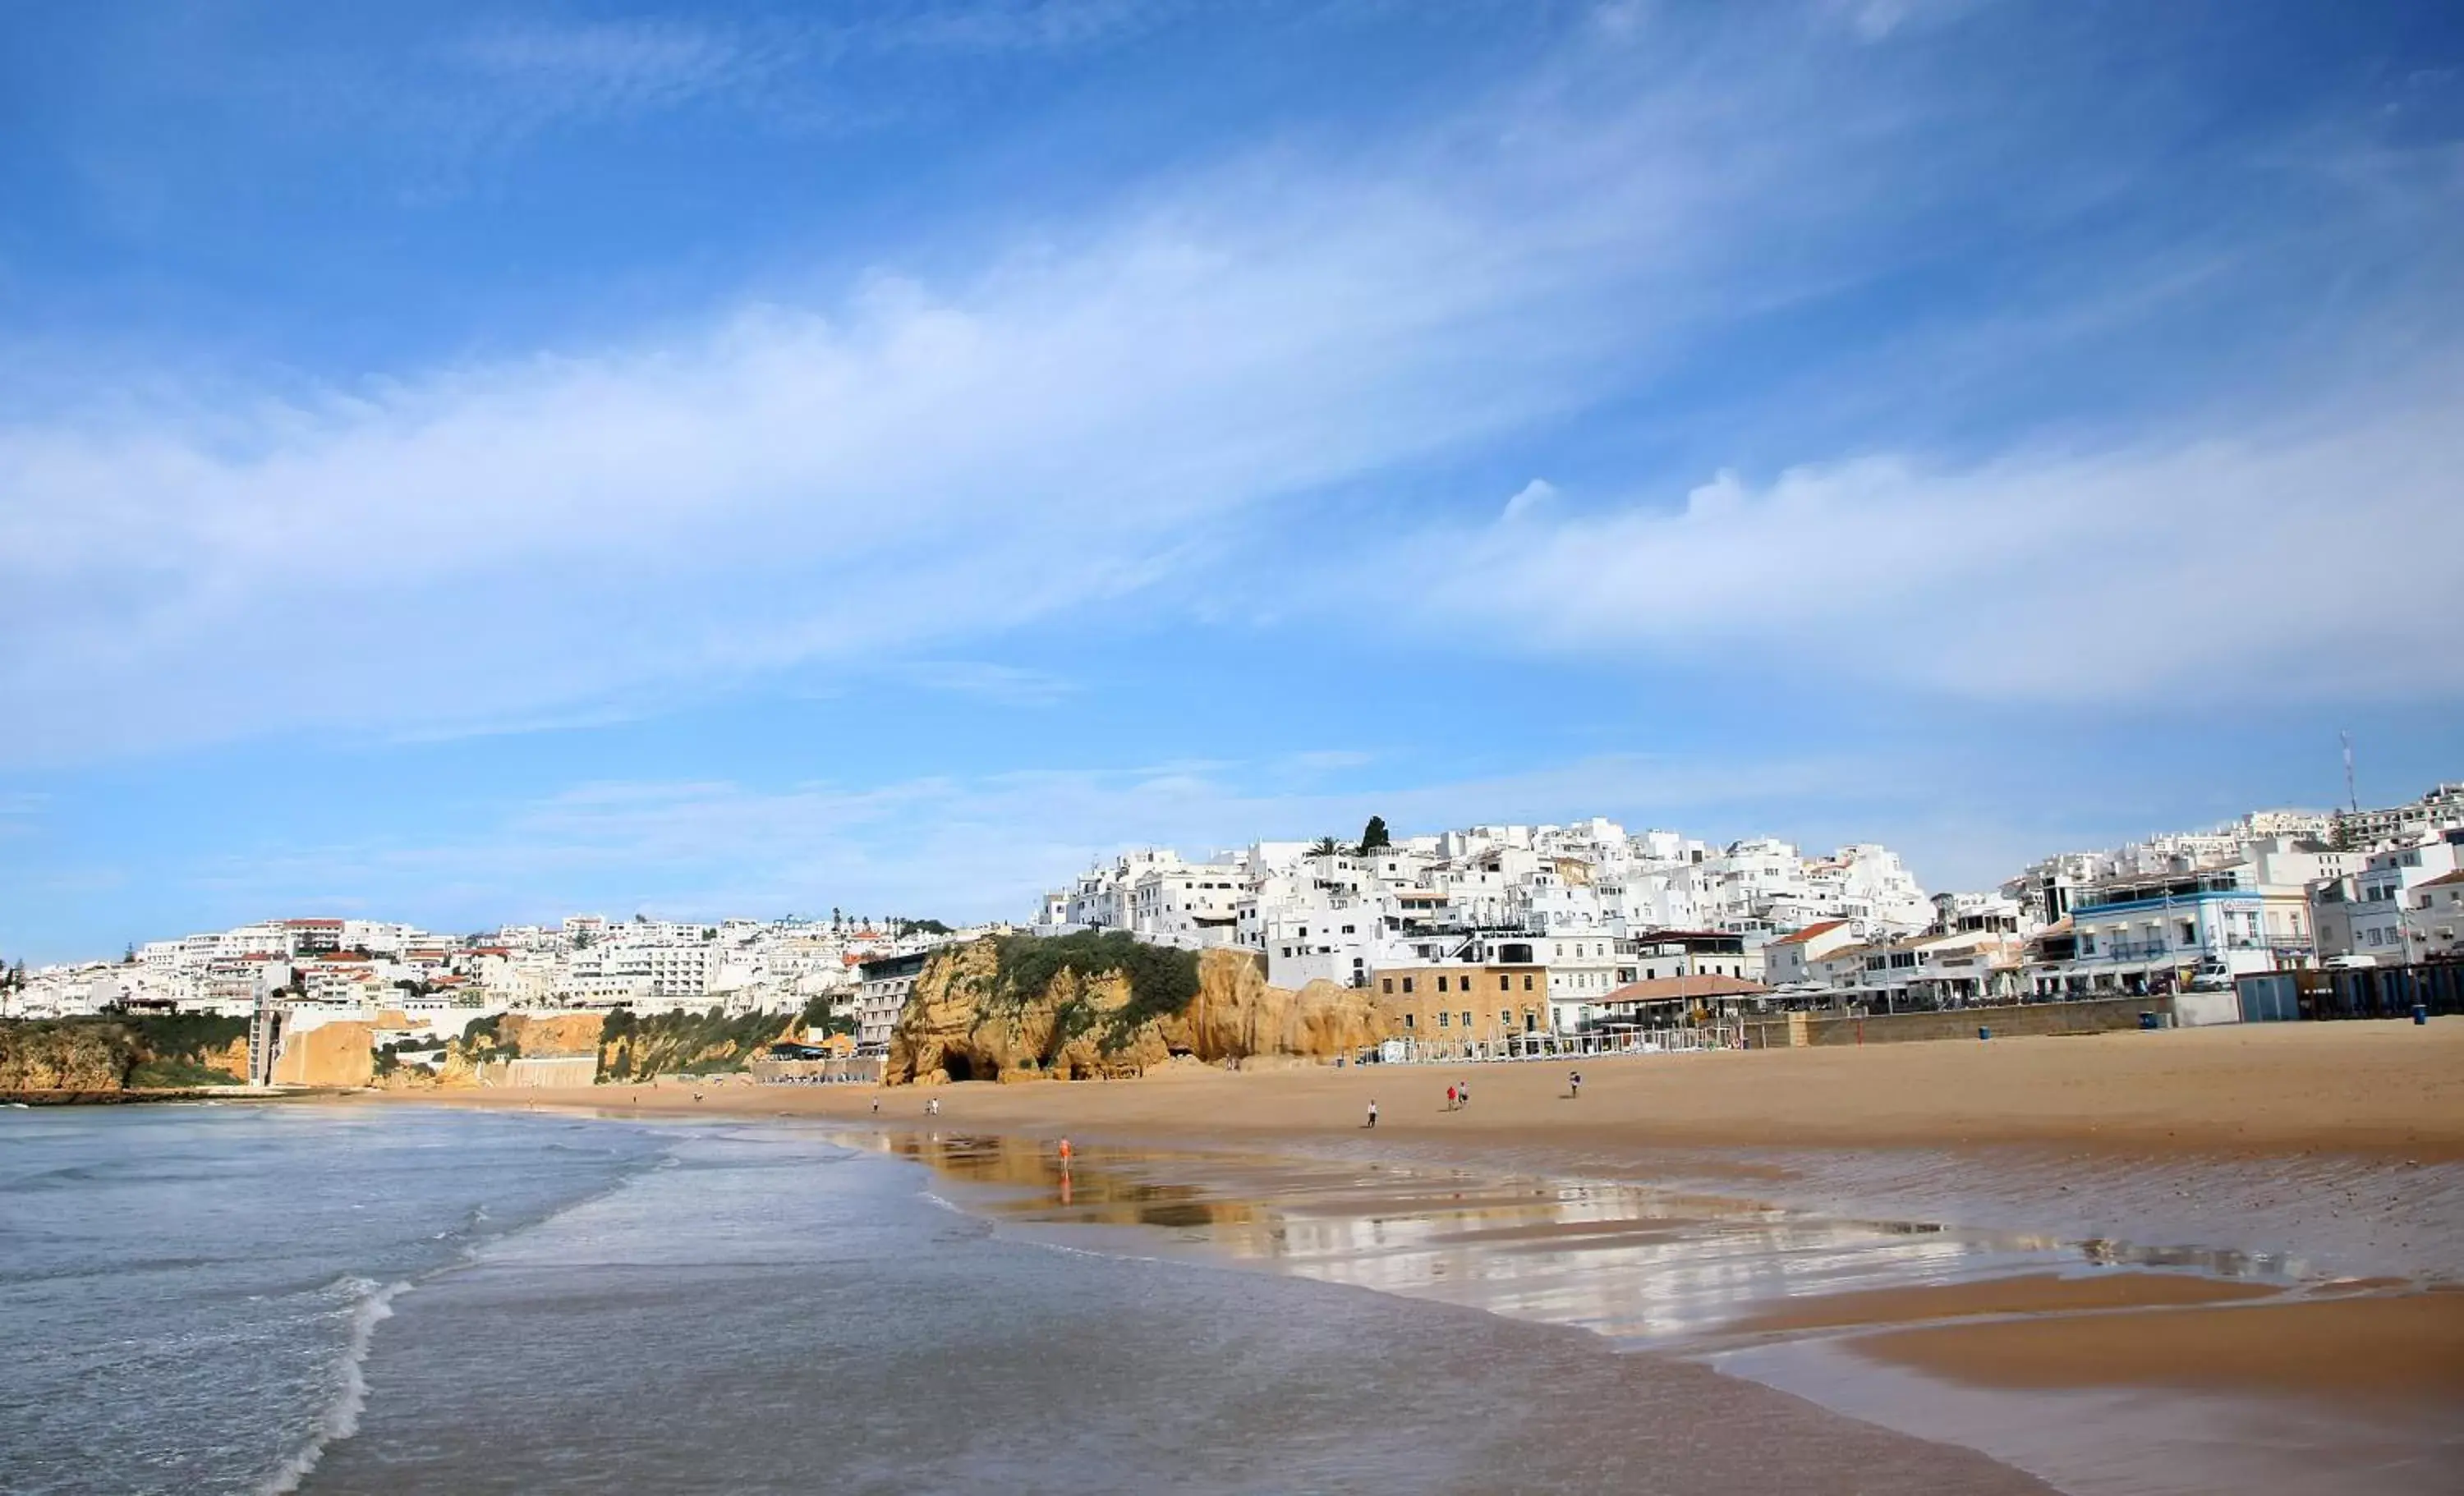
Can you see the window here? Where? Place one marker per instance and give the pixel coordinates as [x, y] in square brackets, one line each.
[1347, 930]
[1505, 1018]
[1442, 984]
[1466, 1021]
[1407, 1018]
[1527, 983]
[1444, 1019]
[2190, 932]
[1390, 983]
[1505, 983]
[1407, 985]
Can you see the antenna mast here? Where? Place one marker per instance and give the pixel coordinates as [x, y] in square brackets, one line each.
[2350, 799]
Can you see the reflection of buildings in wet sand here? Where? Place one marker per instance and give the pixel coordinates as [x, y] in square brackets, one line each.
[1622, 1261]
[1676, 1269]
[1626, 1261]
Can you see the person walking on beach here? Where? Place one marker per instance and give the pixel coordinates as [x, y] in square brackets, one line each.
[1462, 1094]
[1574, 1084]
[1372, 1114]
[1450, 1098]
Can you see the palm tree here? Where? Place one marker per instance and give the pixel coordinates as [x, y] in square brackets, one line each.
[1326, 847]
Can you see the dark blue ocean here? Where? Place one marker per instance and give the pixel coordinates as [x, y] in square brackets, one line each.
[391, 1299]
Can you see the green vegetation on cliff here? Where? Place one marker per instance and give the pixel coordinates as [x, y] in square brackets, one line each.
[150, 1052]
[182, 1049]
[632, 1047]
[1162, 979]
[823, 1013]
[483, 1041]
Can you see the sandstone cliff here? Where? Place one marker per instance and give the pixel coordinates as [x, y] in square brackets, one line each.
[634, 1048]
[330, 1054]
[970, 1019]
[66, 1056]
[138, 1052]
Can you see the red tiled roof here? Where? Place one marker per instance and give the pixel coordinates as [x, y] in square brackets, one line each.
[1800, 936]
[1679, 989]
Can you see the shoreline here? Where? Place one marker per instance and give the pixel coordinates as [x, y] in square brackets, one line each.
[2377, 1091]
[152, 1095]
[2152, 1253]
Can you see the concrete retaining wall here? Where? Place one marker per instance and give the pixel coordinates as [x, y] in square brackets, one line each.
[536, 1070]
[2101, 1016]
[2199, 1009]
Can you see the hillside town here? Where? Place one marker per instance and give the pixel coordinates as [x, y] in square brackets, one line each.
[1555, 930]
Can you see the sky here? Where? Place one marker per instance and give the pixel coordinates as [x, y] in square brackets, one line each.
[470, 463]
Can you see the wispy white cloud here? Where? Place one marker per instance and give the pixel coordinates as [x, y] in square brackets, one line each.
[1530, 497]
[908, 465]
[2190, 570]
[1007, 685]
[1102, 411]
[607, 66]
[1874, 20]
[971, 846]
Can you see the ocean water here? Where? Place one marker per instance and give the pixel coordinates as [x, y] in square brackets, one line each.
[187, 1292]
[389, 1300]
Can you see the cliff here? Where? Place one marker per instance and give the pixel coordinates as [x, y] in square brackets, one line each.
[108, 1054]
[637, 1048]
[68, 1055]
[330, 1054]
[1017, 1007]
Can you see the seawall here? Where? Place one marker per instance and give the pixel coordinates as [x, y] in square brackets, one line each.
[2100, 1016]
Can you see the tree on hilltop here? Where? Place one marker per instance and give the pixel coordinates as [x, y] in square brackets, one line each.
[1373, 837]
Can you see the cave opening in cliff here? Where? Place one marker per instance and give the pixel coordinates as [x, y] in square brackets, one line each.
[958, 1067]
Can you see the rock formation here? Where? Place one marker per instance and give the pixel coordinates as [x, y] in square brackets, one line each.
[541, 1036]
[963, 1022]
[104, 1055]
[66, 1056]
[342, 1054]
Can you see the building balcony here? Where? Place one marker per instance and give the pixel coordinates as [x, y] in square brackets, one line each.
[2136, 951]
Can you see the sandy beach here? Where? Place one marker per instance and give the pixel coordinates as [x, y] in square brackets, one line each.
[2377, 1090]
[2261, 1216]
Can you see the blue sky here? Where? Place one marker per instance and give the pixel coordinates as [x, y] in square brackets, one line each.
[472, 462]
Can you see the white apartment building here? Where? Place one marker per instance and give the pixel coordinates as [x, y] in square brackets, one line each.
[1788, 960]
[883, 986]
[2137, 932]
[2374, 914]
[2438, 916]
[1589, 886]
[2440, 810]
[1191, 904]
[233, 985]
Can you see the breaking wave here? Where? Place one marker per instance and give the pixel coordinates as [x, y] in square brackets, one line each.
[372, 1304]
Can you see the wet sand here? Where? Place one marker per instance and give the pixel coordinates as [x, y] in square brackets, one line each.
[2111, 1213]
[2030, 1295]
[2395, 1349]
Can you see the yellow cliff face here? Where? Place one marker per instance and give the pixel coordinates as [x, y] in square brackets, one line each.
[956, 1026]
[232, 1059]
[543, 1036]
[89, 1057]
[1236, 1016]
[330, 1054]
